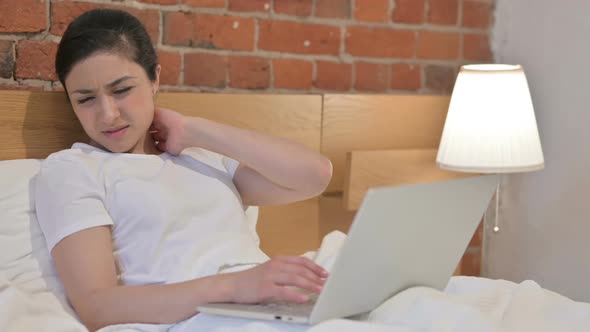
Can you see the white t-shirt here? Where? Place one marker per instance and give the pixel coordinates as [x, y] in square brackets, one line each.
[173, 218]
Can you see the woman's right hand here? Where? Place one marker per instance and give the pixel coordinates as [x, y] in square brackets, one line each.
[168, 130]
[275, 280]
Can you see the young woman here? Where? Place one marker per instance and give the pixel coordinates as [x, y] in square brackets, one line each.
[141, 220]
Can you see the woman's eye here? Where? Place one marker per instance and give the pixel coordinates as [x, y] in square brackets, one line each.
[83, 100]
[121, 91]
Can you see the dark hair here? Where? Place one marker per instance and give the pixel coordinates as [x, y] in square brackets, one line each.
[105, 30]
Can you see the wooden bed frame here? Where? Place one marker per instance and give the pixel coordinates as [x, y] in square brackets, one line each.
[372, 140]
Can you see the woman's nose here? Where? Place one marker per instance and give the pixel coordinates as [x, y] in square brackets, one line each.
[110, 111]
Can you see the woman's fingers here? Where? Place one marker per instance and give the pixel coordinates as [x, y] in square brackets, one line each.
[286, 278]
[298, 267]
[158, 136]
[290, 295]
[307, 263]
[161, 145]
[290, 279]
[304, 272]
[299, 272]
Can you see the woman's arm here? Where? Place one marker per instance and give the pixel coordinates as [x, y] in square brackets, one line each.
[272, 170]
[86, 267]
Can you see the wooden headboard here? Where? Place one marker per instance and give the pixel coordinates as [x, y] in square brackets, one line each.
[365, 136]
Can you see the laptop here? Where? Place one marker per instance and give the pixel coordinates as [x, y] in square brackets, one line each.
[402, 236]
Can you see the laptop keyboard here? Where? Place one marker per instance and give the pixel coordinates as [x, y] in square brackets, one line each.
[290, 308]
[287, 308]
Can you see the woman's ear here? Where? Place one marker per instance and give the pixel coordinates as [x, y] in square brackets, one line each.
[156, 82]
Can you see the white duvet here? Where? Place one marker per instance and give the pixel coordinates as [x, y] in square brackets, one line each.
[468, 304]
[32, 299]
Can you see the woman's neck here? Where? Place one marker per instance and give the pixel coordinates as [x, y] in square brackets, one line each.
[145, 145]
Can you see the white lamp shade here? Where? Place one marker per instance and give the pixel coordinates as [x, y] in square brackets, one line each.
[490, 125]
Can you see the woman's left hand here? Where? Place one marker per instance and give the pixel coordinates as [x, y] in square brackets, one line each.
[168, 130]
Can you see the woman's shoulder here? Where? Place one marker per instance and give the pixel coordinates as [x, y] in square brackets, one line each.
[79, 156]
[211, 158]
[201, 154]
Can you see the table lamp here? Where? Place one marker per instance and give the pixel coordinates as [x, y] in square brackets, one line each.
[490, 125]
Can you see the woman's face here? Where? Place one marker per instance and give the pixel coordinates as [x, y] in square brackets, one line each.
[113, 99]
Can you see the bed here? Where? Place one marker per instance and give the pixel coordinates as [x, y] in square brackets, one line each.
[372, 140]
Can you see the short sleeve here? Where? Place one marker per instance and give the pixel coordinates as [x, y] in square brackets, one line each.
[68, 199]
[231, 165]
[213, 159]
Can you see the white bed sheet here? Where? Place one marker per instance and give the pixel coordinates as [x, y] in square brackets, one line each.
[32, 298]
[468, 304]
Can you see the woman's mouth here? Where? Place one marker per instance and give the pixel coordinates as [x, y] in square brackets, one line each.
[116, 132]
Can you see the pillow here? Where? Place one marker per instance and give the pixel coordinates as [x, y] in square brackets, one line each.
[31, 295]
[21, 239]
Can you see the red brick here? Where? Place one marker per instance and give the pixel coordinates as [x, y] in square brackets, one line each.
[35, 59]
[471, 263]
[405, 77]
[6, 58]
[62, 13]
[477, 47]
[293, 7]
[476, 14]
[170, 62]
[440, 78]
[161, 2]
[409, 11]
[372, 76]
[443, 12]
[248, 72]
[23, 15]
[249, 5]
[178, 29]
[205, 3]
[294, 37]
[292, 74]
[205, 70]
[380, 42]
[438, 45]
[372, 10]
[209, 31]
[333, 8]
[333, 76]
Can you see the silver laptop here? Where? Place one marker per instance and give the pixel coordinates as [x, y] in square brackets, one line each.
[401, 237]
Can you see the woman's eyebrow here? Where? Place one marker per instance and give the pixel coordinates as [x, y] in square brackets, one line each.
[109, 85]
[119, 80]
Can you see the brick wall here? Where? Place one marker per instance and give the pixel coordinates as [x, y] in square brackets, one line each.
[269, 45]
[356, 46]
